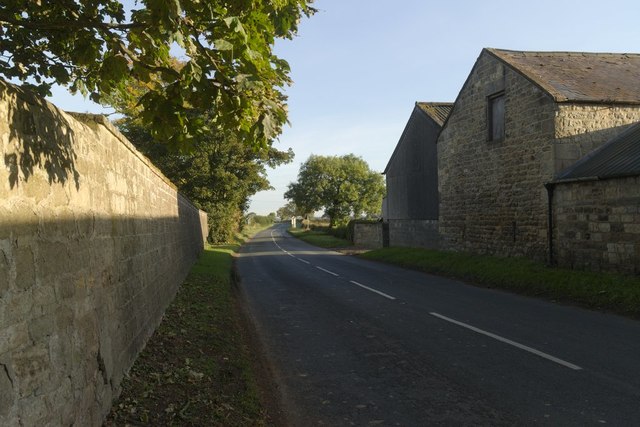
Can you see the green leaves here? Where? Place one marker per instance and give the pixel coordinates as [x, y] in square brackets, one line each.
[60, 73]
[114, 68]
[222, 44]
[344, 186]
[218, 175]
[230, 72]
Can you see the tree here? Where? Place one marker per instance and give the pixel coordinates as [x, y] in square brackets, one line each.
[219, 176]
[342, 186]
[289, 210]
[253, 218]
[97, 48]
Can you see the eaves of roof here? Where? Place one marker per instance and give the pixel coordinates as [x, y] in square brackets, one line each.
[619, 157]
[567, 95]
[578, 77]
[437, 111]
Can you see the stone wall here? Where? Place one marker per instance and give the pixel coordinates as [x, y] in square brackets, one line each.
[368, 235]
[597, 224]
[94, 242]
[414, 233]
[492, 198]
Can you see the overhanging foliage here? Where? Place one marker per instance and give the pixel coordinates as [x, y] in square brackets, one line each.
[97, 47]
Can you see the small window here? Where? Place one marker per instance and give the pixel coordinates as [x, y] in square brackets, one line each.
[496, 117]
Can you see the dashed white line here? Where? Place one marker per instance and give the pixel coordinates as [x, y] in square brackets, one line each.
[276, 243]
[372, 290]
[448, 319]
[508, 341]
[327, 271]
[331, 272]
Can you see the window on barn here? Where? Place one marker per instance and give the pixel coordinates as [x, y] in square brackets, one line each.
[496, 117]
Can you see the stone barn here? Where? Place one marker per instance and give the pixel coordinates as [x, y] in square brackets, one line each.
[519, 121]
[411, 210]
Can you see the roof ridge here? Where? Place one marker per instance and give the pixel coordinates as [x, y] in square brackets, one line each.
[578, 77]
[563, 52]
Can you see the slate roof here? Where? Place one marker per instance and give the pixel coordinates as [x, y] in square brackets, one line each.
[618, 157]
[578, 76]
[438, 111]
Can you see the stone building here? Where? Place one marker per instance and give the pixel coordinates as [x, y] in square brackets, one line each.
[520, 119]
[596, 208]
[412, 179]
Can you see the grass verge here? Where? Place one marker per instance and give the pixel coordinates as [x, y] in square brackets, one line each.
[319, 238]
[196, 369]
[620, 294]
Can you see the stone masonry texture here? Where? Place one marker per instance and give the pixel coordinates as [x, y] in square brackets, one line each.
[94, 242]
[368, 235]
[492, 194]
[414, 233]
[597, 224]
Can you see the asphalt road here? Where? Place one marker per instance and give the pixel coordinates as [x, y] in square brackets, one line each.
[361, 343]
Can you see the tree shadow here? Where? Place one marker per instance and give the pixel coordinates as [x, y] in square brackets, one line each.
[40, 137]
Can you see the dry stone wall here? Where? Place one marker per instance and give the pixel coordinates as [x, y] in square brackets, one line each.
[93, 244]
[597, 224]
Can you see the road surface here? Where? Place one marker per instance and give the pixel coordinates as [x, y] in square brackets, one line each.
[354, 342]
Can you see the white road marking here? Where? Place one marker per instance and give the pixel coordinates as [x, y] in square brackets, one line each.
[508, 341]
[327, 271]
[331, 272]
[372, 290]
[280, 247]
[274, 241]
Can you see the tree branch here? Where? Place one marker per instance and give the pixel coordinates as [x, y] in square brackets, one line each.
[67, 24]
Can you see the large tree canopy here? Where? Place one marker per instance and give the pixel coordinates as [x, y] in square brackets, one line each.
[341, 185]
[98, 48]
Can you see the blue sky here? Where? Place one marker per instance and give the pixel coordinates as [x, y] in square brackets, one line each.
[359, 65]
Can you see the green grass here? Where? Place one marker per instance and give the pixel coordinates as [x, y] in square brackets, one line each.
[197, 368]
[612, 292]
[319, 238]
